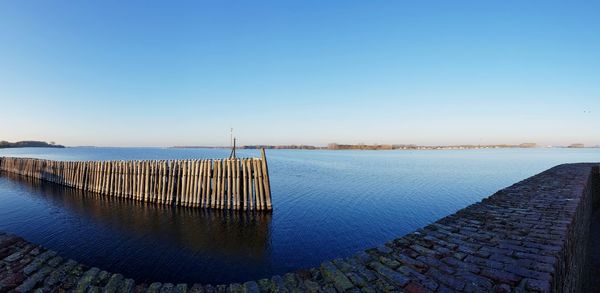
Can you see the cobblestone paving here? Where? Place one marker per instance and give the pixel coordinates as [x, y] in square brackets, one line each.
[523, 238]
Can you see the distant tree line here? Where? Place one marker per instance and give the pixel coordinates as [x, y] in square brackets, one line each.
[29, 144]
[287, 147]
[361, 146]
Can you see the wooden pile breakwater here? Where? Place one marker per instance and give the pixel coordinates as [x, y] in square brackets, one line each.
[228, 184]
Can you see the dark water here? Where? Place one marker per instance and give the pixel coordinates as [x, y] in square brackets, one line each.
[327, 204]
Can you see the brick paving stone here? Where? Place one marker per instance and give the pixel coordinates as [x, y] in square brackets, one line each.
[476, 281]
[87, 279]
[332, 274]
[501, 288]
[154, 287]
[35, 279]
[113, 283]
[484, 262]
[290, 280]
[265, 285]
[311, 286]
[388, 262]
[59, 274]
[451, 281]
[55, 261]
[365, 273]
[426, 281]
[38, 261]
[384, 249]
[101, 278]
[198, 288]
[69, 282]
[278, 284]
[11, 281]
[13, 257]
[457, 264]
[436, 263]
[413, 287]
[389, 274]
[538, 285]
[251, 287]
[533, 265]
[167, 288]
[501, 276]
[415, 264]
[357, 280]
[540, 258]
[342, 265]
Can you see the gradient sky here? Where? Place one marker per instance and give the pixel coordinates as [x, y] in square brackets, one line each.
[146, 73]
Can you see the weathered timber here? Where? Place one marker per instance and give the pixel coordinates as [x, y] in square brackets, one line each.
[233, 184]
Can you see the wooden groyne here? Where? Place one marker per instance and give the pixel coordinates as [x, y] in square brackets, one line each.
[231, 184]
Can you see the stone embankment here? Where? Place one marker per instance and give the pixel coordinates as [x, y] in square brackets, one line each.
[530, 237]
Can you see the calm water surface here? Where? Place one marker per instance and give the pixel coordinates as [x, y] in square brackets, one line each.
[327, 204]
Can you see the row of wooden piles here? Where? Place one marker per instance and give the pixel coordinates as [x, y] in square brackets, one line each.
[234, 184]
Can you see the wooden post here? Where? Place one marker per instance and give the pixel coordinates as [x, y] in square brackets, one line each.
[158, 182]
[109, 177]
[170, 182]
[100, 177]
[207, 184]
[186, 183]
[236, 188]
[93, 176]
[244, 186]
[137, 169]
[126, 184]
[191, 183]
[216, 184]
[222, 195]
[121, 186]
[267, 181]
[251, 198]
[200, 183]
[146, 181]
[165, 179]
[257, 184]
[152, 181]
[176, 180]
[195, 184]
[228, 200]
[106, 178]
[141, 181]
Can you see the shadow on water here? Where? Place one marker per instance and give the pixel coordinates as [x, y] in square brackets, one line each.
[201, 245]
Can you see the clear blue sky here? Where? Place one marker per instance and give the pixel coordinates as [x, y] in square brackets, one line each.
[147, 73]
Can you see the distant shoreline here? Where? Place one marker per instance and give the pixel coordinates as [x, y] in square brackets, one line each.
[387, 147]
[332, 147]
[28, 144]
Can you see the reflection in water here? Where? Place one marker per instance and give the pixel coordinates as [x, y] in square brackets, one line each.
[213, 233]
